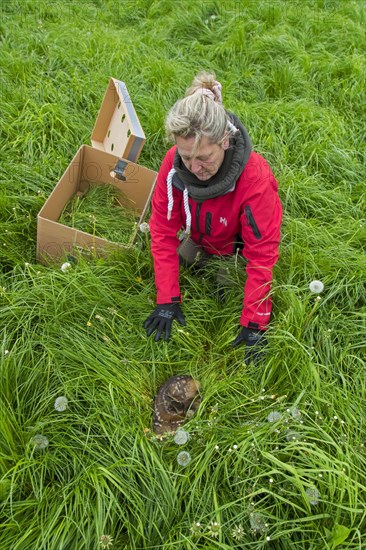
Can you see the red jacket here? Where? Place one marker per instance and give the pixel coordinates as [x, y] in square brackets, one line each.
[252, 210]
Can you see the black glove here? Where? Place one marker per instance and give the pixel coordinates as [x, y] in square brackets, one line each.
[162, 319]
[255, 342]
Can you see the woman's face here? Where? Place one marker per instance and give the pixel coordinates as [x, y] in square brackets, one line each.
[207, 159]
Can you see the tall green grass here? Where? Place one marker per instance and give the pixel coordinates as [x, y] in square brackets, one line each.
[277, 452]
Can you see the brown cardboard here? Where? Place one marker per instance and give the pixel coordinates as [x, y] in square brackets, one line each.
[117, 129]
[56, 241]
[117, 140]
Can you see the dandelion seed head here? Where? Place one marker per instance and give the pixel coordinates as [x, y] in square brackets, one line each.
[65, 267]
[257, 522]
[316, 287]
[61, 403]
[40, 441]
[6, 352]
[270, 480]
[296, 413]
[274, 416]
[181, 437]
[183, 458]
[144, 227]
[312, 495]
[292, 436]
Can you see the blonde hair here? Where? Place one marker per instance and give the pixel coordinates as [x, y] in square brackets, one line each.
[200, 113]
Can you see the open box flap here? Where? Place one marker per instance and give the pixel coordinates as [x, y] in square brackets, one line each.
[117, 129]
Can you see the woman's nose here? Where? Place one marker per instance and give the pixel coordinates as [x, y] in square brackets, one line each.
[195, 166]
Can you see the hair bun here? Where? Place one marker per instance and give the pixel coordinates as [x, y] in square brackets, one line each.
[206, 84]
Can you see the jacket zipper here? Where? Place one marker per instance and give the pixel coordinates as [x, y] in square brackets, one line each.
[198, 210]
[252, 223]
[208, 223]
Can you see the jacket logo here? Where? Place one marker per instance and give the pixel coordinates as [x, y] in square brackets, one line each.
[224, 221]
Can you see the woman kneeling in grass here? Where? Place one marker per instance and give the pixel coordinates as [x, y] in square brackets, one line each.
[223, 195]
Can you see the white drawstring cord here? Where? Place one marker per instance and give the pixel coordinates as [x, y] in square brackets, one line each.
[187, 211]
[170, 192]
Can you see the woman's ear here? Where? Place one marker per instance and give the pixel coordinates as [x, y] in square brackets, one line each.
[226, 143]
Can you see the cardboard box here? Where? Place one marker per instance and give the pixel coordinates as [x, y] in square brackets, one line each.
[96, 166]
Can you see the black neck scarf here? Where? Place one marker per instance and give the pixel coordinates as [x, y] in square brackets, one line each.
[235, 160]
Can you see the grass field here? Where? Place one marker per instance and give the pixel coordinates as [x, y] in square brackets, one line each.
[278, 454]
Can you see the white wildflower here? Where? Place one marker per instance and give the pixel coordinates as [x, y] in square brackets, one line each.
[183, 458]
[65, 267]
[316, 287]
[61, 403]
[6, 352]
[312, 495]
[181, 437]
[238, 532]
[40, 441]
[106, 541]
[214, 529]
[196, 528]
